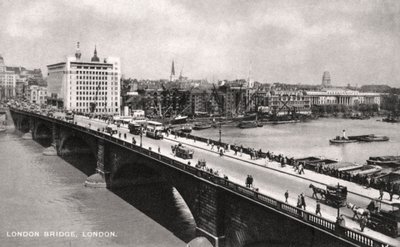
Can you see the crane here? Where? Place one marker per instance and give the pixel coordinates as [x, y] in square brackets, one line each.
[238, 101]
[216, 96]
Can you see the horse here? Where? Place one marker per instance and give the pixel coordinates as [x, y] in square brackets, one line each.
[317, 191]
[359, 213]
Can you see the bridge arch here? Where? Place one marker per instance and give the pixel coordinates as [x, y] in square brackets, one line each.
[42, 131]
[166, 202]
[74, 143]
[80, 152]
[24, 124]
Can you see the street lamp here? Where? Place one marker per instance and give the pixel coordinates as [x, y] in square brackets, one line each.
[220, 133]
[141, 134]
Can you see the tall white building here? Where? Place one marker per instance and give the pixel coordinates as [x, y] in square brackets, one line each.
[8, 80]
[79, 85]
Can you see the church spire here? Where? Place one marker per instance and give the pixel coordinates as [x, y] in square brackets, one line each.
[172, 76]
[95, 58]
[78, 52]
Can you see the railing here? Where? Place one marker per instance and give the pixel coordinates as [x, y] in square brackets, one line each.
[307, 217]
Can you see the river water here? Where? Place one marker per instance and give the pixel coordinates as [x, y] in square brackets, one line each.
[312, 138]
[43, 194]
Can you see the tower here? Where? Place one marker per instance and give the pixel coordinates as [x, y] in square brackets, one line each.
[326, 79]
[2, 65]
[172, 76]
[95, 58]
[78, 52]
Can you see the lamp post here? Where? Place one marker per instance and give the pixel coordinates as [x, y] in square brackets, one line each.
[220, 133]
[141, 134]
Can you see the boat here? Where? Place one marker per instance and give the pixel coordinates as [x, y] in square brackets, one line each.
[179, 120]
[311, 162]
[248, 124]
[201, 126]
[391, 119]
[341, 140]
[345, 166]
[374, 138]
[366, 170]
[186, 128]
[391, 161]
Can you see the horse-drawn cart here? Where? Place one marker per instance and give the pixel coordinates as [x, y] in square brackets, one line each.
[333, 195]
[385, 220]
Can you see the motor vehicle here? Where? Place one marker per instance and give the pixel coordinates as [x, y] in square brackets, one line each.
[154, 129]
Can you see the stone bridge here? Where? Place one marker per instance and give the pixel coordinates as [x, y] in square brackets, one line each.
[227, 214]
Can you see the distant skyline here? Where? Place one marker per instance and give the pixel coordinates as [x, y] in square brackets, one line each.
[357, 41]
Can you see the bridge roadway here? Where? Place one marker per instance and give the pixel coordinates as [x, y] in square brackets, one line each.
[269, 178]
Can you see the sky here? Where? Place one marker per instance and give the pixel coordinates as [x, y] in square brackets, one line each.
[357, 41]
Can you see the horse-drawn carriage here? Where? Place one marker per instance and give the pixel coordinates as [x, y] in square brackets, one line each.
[333, 195]
[182, 151]
[385, 220]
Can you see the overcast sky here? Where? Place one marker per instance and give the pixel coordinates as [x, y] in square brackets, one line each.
[358, 42]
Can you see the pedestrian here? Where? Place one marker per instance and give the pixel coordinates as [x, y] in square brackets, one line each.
[299, 201]
[250, 181]
[159, 149]
[241, 152]
[318, 209]
[208, 142]
[363, 223]
[119, 134]
[286, 196]
[381, 193]
[247, 181]
[301, 169]
[212, 146]
[303, 201]
[125, 136]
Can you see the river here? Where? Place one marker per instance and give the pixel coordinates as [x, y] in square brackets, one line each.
[312, 138]
[44, 194]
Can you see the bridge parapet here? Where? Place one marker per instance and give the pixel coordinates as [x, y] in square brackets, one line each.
[223, 186]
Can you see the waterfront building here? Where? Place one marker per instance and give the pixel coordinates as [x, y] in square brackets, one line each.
[8, 80]
[289, 102]
[343, 97]
[75, 84]
[37, 94]
[199, 102]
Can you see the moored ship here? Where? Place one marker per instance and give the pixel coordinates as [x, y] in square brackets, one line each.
[201, 126]
[388, 161]
[179, 120]
[249, 124]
